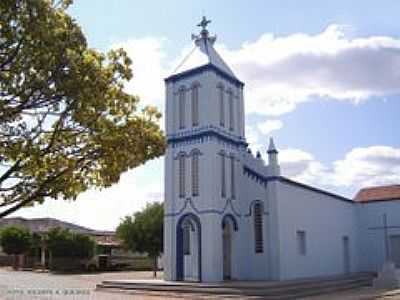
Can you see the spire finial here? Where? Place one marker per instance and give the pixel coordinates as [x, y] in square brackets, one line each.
[204, 23]
[204, 34]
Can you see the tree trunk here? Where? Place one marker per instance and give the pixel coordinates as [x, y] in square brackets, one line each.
[155, 267]
[15, 265]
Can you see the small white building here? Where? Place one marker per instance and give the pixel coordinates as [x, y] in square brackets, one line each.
[231, 215]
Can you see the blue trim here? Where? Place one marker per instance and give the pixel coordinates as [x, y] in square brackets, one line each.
[232, 218]
[206, 211]
[311, 188]
[265, 179]
[201, 69]
[179, 245]
[256, 176]
[202, 134]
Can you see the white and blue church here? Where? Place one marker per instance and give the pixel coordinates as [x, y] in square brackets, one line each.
[229, 215]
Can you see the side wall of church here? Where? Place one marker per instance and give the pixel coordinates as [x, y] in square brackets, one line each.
[256, 264]
[371, 250]
[312, 230]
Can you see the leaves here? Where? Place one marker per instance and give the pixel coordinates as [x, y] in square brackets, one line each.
[143, 232]
[66, 123]
[63, 243]
[15, 240]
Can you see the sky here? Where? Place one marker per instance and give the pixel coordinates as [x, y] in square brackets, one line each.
[321, 77]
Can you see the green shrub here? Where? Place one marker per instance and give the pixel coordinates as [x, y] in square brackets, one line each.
[63, 243]
[15, 240]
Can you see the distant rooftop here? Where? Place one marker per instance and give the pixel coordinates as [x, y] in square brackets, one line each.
[378, 193]
[43, 225]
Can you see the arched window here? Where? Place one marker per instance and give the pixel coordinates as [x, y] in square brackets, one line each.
[233, 193]
[221, 105]
[195, 105]
[195, 173]
[231, 110]
[258, 228]
[223, 176]
[182, 108]
[182, 171]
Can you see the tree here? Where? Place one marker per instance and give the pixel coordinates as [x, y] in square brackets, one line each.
[15, 240]
[66, 123]
[143, 232]
[64, 243]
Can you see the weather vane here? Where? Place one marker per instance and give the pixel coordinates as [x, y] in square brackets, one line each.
[204, 32]
[204, 22]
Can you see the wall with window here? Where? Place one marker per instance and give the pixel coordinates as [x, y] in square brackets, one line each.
[311, 230]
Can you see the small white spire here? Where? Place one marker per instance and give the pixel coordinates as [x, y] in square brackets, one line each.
[273, 165]
[271, 147]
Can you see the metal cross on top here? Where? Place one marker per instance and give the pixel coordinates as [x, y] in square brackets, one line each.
[204, 23]
[385, 228]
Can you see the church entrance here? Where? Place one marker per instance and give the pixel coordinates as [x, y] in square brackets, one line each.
[188, 248]
[229, 226]
[227, 250]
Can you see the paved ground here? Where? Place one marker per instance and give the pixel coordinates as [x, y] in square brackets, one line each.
[24, 285]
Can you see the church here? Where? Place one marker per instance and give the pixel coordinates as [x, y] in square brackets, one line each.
[230, 215]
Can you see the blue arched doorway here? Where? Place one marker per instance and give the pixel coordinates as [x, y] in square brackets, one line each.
[188, 248]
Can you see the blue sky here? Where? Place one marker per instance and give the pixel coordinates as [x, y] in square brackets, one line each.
[322, 77]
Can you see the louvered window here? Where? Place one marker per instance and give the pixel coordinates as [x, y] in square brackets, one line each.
[258, 228]
[195, 105]
[182, 108]
[195, 174]
[182, 173]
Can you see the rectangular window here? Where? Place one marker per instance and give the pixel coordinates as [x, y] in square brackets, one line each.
[223, 179]
[258, 228]
[221, 106]
[195, 174]
[231, 112]
[182, 109]
[195, 106]
[233, 194]
[301, 242]
[182, 173]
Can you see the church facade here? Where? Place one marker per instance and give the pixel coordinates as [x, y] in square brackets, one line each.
[231, 215]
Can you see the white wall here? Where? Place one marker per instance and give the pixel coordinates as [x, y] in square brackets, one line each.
[325, 220]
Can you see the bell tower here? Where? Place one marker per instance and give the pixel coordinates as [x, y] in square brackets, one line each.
[205, 132]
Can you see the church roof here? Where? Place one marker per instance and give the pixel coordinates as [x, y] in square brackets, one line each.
[203, 54]
[378, 193]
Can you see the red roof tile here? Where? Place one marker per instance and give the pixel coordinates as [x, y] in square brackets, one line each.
[378, 193]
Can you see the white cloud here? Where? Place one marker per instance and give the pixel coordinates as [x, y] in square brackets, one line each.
[361, 167]
[301, 166]
[103, 209]
[270, 125]
[150, 66]
[281, 72]
[369, 166]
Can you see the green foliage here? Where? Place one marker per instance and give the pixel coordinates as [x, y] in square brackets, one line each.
[66, 123]
[63, 243]
[15, 240]
[143, 232]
